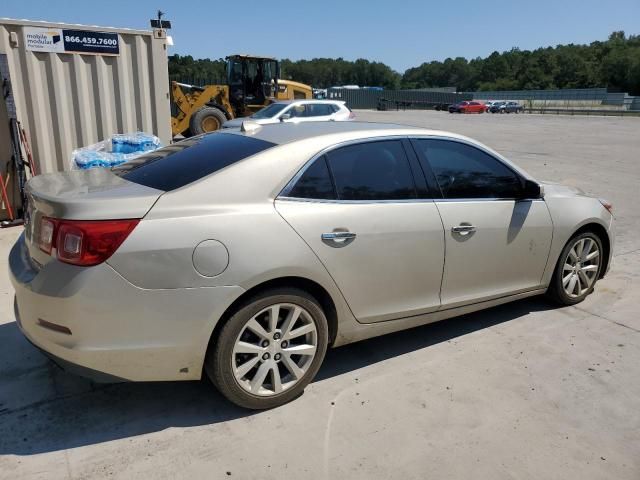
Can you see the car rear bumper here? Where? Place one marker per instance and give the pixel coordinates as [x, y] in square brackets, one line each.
[94, 322]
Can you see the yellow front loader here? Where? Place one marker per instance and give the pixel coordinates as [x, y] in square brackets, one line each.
[252, 83]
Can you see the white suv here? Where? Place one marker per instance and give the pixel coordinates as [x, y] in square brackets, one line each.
[298, 111]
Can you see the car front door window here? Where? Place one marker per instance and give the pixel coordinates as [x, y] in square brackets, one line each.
[463, 171]
[297, 111]
[496, 245]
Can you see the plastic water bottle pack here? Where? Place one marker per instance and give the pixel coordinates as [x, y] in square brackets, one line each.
[118, 149]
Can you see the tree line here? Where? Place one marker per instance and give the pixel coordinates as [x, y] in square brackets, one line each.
[614, 63]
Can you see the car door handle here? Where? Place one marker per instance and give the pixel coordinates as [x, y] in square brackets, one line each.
[463, 229]
[338, 239]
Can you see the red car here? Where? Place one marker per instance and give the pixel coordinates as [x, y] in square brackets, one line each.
[468, 107]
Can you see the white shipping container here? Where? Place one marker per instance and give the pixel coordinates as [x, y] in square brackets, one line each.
[74, 85]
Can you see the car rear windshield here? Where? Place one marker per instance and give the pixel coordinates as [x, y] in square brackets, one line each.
[184, 162]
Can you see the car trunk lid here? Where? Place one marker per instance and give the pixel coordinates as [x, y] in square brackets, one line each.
[95, 194]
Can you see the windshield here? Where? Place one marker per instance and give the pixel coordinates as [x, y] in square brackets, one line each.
[270, 111]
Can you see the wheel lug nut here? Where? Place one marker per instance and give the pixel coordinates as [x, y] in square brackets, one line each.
[284, 344]
[276, 336]
[276, 356]
[265, 343]
[265, 356]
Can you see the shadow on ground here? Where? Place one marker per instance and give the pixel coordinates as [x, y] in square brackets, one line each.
[44, 409]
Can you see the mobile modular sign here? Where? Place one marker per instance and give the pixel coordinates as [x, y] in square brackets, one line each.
[62, 40]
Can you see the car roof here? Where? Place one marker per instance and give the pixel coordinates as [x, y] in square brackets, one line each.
[310, 100]
[282, 133]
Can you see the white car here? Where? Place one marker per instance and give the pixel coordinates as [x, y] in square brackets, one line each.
[298, 111]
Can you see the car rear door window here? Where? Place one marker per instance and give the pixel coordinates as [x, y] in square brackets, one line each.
[314, 183]
[464, 171]
[318, 110]
[372, 171]
[184, 162]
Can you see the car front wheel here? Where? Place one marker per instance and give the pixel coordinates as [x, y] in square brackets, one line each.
[577, 270]
[269, 349]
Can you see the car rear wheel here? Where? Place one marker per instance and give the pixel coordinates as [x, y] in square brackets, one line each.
[269, 349]
[577, 270]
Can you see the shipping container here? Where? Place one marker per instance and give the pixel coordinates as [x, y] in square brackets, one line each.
[75, 85]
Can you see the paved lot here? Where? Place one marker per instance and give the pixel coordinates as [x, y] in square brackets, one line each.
[522, 391]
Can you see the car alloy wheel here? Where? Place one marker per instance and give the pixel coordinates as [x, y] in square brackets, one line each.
[274, 349]
[269, 349]
[581, 267]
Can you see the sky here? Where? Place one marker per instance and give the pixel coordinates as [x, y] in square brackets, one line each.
[401, 34]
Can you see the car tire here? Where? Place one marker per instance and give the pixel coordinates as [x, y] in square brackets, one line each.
[237, 333]
[562, 288]
[207, 119]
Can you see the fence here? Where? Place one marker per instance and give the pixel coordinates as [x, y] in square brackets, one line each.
[408, 99]
[566, 98]
[575, 94]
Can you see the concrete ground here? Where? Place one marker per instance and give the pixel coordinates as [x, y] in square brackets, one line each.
[521, 391]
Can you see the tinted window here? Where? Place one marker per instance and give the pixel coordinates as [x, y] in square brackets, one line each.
[372, 171]
[296, 111]
[270, 111]
[315, 182]
[318, 110]
[463, 171]
[184, 162]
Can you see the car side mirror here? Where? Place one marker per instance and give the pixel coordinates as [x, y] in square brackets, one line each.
[531, 190]
[285, 116]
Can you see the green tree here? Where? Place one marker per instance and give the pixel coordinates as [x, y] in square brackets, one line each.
[613, 63]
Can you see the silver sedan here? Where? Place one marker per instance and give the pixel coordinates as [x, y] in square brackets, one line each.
[246, 253]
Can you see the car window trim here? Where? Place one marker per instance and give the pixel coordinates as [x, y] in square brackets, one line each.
[422, 187]
[283, 195]
[488, 199]
[425, 168]
[363, 202]
[424, 161]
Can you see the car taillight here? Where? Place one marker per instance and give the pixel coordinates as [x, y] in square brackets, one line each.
[45, 239]
[83, 242]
